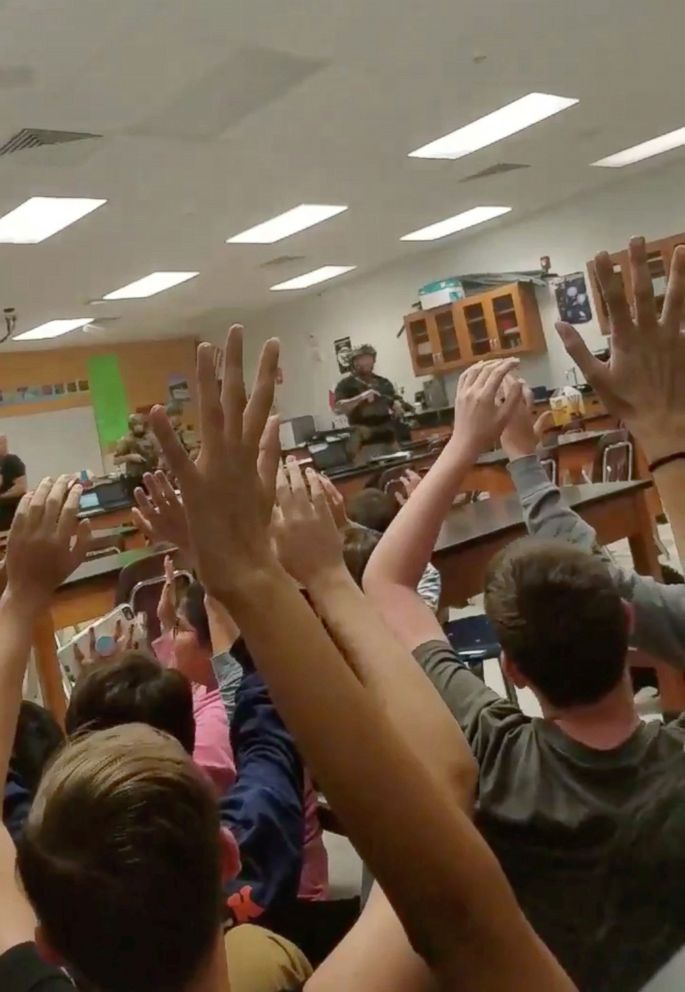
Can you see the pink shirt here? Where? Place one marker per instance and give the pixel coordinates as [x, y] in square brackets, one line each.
[213, 752]
[314, 877]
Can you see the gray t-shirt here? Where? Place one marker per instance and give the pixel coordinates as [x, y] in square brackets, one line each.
[551, 809]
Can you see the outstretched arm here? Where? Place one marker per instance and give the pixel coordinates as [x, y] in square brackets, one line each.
[310, 547]
[452, 908]
[398, 562]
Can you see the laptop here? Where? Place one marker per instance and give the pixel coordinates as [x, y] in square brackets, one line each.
[113, 495]
[330, 456]
[89, 503]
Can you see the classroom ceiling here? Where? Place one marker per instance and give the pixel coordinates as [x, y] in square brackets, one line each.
[216, 115]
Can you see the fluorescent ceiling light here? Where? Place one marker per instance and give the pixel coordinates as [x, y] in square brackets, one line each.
[477, 215]
[292, 221]
[316, 275]
[493, 127]
[656, 146]
[149, 285]
[53, 329]
[42, 216]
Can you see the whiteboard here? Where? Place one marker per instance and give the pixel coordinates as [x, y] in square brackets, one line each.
[54, 442]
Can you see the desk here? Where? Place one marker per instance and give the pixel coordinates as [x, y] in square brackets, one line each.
[87, 593]
[103, 519]
[473, 533]
[489, 474]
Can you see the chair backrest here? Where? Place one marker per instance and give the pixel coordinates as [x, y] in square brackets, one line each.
[613, 461]
[140, 585]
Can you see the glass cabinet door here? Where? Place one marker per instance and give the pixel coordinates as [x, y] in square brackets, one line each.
[507, 322]
[477, 327]
[420, 343]
[447, 334]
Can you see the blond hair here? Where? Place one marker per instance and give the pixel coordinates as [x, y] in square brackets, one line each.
[121, 861]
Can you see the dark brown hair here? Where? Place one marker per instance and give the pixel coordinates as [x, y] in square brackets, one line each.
[373, 508]
[559, 618]
[120, 859]
[358, 545]
[133, 689]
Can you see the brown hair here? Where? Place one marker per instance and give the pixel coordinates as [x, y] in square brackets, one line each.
[120, 859]
[358, 545]
[133, 689]
[559, 618]
[373, 508]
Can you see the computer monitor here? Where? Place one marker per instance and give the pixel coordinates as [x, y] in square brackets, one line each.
[89, 501]
[329, 456]
[113, 493]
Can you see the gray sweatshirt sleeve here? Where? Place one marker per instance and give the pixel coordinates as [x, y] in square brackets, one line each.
[659, 609]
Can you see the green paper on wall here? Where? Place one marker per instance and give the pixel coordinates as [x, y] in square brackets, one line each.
[109, 398]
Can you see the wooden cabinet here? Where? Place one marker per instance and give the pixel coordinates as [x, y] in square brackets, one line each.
[659, 255]
[494, 324]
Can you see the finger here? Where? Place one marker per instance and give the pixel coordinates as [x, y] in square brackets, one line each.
[131, 631]
[175, 454]
[400, 497]
[594, 370]
[78, 654]
[56, 498]
[491, 379]
[643, 289]
[21, 515]
[168, 569]
[318, 497]
[82, 543]
[284, 496]
[268, 458]
[166, 490]
[614, 294]
[674, 303]
[511, 401]
[37, 507]
[210, 411]
[261, 399]
[143, 525]
[297, 484]
[153, 489]
[466, 378]
[68, 518]
[233, 399]
[91, 641]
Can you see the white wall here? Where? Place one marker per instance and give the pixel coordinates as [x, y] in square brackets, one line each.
[371, 309]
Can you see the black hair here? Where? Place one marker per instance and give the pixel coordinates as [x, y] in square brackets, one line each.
[372, 508]
[132, 689]
[38, 736]
[193, 608]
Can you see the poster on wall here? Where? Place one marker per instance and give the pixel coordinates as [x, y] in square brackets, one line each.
[573, 301]
[343, 350]
[179, 390]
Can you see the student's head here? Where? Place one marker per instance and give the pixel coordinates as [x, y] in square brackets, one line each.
[561, 623]
[364, 360]
[372, 508]
[358, 545]
[37, 737]
[122, 858]
[192, 641]
[136, 424]
[174, 412]
[133, 689]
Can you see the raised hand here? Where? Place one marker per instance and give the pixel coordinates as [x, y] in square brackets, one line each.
[336, 502]
[643, 382]
[46, 541]
[159, 513]
[226, 505]
[408, 482]
[308, 541]
[480, 412]
[166, 608]
[519, 437]
[108, 648]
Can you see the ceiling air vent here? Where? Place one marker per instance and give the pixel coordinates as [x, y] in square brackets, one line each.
[31, 137]
[494, 170]
[281, 260]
